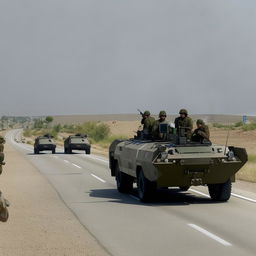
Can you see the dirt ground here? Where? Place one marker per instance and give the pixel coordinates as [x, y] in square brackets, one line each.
[39, 223]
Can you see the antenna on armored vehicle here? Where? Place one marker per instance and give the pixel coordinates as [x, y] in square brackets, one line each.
[226, 145]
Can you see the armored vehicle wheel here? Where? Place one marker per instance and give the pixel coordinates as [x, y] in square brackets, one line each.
[124, 182]
[53, 151]
[146, 188]
[88, 151]
[185, 188]
[220, 192]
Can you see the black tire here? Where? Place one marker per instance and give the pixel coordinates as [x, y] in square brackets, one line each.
[146, 188]
[184, 188]
[124, 182]
[220, 192]
[88, 151]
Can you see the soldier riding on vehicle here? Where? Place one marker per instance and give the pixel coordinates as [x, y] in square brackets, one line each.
[148, 123]
[156, 128]
[202, 133]
[184, 124]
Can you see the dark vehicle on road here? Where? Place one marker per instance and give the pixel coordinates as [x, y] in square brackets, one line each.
[44, 143]
[174, 162]
[77, 142]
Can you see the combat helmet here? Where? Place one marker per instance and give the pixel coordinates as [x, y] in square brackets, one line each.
[183, 111]
[162, 113]
[200, 121]
[146, 113]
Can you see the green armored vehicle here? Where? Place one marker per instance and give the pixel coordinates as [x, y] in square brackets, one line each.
[44, 143]
[174, 162]
[77, 142]
[4, 214]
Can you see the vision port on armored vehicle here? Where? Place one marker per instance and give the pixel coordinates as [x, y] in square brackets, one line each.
[174, 162]
[77, 142]
[44, 143]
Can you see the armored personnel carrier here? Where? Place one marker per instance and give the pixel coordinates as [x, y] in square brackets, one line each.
[4, 214]
[174, 162]
[77, 142]
[44, 143]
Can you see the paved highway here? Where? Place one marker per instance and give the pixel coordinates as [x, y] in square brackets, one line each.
[177, 223]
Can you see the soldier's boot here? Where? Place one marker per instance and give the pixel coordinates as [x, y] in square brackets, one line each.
[4, 214]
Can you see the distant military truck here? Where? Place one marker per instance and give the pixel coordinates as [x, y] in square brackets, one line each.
[77, 142]
[44, 143]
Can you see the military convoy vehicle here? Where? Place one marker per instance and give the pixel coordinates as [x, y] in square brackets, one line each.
[4, 214]
[174, 162]
[77, 142]
[44, 143]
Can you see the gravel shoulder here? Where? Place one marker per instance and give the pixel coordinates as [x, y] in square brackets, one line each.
[39, 223]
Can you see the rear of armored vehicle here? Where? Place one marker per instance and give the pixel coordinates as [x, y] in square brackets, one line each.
[44, 144]
[77, 142]
[154, 165]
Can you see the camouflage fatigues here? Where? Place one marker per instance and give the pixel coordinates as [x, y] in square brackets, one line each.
[156, 129]
[148, 124]
[4, 214]
[202, 133]
[186, 123]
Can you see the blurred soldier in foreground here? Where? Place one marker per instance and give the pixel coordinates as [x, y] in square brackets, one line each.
[184, 124]
[3, 202]
[202, 133]
[156, 127]
[4, 214]
[148, 123]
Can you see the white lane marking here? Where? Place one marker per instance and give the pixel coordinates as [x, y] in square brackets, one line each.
[66, 161]
[212, 236]
[98, 178]
[233, 194]
[199, 193]
[244, 198]
[98, 159]
[134, 197]
[77, 166]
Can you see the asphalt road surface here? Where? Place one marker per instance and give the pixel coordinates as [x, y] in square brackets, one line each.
[177, 223]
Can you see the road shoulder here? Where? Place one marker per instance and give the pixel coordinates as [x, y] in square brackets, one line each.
[40, 223]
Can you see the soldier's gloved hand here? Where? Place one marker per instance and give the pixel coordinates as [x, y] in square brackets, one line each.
[4, 214]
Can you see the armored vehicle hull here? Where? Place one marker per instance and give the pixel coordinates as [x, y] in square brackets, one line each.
[163, 164]
[44, 143]
[77, 142]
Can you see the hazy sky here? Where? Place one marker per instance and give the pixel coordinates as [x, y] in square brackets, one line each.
[114, 56]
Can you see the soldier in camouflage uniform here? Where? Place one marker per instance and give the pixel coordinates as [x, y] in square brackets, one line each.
[202, 133]
[148, 123]
[156, 127]
[184, 121]
[3, 202]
